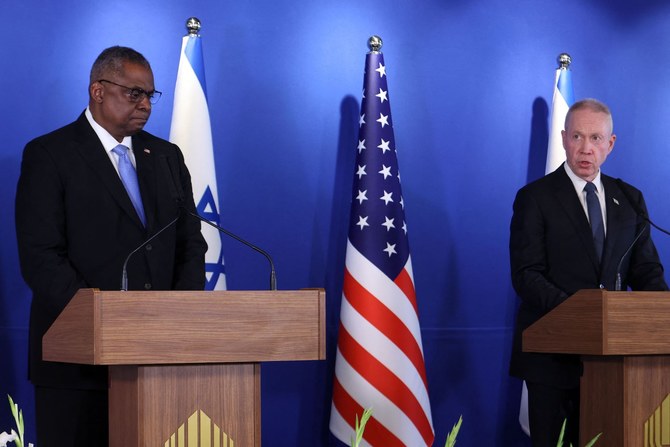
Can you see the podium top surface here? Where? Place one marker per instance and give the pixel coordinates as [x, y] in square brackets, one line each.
[178, 327]
[600, 322]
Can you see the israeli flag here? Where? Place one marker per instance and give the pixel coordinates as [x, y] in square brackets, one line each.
[564, 97]
[192, 132]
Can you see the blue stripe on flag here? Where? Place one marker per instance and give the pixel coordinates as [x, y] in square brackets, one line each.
[207, 209]
[565, 87]
[193, 52]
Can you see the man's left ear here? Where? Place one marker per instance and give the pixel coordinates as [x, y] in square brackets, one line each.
[612, 140]
[96, 91]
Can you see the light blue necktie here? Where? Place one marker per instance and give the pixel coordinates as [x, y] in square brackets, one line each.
[595, 218]
[129, 179]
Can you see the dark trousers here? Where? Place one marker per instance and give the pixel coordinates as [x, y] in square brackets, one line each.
[71, 418]
[548, 407]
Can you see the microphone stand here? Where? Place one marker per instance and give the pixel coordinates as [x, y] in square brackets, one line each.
[273, 275]
[124, 273]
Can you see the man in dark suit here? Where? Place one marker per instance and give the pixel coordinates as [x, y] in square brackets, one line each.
[558, 248]
[76, 224]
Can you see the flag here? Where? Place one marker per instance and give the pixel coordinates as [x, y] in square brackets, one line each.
[379, 362]
[563, 98]
[191, 131]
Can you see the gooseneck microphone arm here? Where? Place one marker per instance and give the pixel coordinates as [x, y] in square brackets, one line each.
[273, 275]
[124, 273]
[617, 282]
[642, 213]
[638, 209]
[656, 226]
[172, 173]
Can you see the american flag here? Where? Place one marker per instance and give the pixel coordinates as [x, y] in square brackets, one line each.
[379, 363]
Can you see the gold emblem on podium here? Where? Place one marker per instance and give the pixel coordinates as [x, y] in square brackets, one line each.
[657, 427]
[199, 431]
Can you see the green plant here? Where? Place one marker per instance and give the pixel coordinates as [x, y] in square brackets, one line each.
[451, 437]
[356, 440]
[16, 438]
[360, 428]
[560, 438]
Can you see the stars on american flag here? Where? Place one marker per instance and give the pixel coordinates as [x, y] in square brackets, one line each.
[361, 172]
[384, 145]
[382, 95]
[388, 223]
[378, 228]
[381, 70]
[363, 222]
[361, 145]
[386, 171]
[390, 249]
[361, 197]
[383, 120]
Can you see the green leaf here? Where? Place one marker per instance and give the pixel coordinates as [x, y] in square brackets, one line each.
[355, 442]
[451, 437]
[560, 436]
[593, 441]
[18, 418]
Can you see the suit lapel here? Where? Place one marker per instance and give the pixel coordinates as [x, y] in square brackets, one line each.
[146, 175]
[613, 202]
[91, 150]
[564, 192]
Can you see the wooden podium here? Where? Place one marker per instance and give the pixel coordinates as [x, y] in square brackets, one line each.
[624, 341]
[184, 366]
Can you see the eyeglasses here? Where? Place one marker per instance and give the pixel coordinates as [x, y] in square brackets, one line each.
[135, 94]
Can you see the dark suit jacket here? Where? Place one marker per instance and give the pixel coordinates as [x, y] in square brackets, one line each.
[553, 256]
[76, 225]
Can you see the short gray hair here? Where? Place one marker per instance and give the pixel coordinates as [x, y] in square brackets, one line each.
[111, 61]
[591, 104]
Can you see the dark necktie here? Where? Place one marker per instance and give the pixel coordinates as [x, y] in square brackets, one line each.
[595, 218]
[129, 179]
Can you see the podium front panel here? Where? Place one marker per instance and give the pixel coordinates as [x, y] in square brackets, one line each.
[185, 405]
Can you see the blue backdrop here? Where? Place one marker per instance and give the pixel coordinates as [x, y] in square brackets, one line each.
[470, 87]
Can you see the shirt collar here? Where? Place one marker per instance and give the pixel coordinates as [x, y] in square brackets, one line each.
[579, 183]
[107, 140]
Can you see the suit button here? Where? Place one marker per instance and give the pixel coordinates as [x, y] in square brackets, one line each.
[147, 286]
[149, 247]
[602, 286]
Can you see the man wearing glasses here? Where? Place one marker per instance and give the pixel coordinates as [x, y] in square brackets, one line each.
[88, 195]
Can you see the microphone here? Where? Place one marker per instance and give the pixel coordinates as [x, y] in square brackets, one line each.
[124, 272]
[642, 213]
[178, 195]
[617, 282]
[273, 274]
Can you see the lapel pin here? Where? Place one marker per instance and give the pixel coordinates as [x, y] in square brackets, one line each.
[148, 151]
[613, 199]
